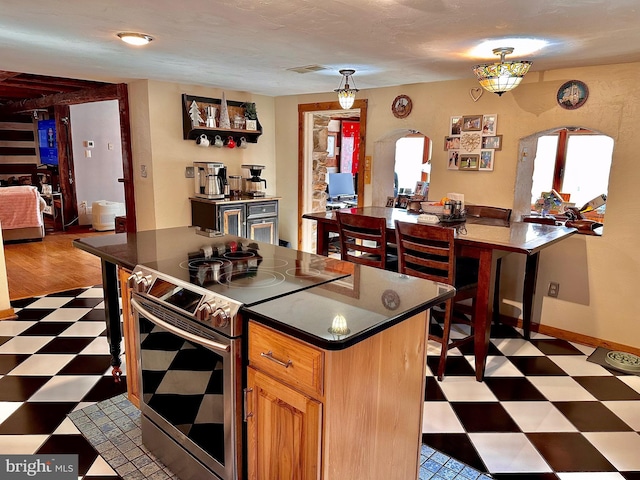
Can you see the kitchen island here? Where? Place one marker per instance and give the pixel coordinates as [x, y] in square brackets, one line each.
[333, 360]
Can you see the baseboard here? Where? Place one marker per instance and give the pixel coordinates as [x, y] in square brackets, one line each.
[8, 314]
[570, 336]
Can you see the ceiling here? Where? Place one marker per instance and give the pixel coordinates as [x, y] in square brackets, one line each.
[251, 45]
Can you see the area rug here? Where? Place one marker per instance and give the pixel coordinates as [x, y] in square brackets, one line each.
[112, 427]
[599, 356]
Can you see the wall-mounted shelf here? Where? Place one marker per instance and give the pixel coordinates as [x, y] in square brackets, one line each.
[191, 132]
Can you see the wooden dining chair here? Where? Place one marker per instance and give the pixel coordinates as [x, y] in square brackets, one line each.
[363, 240]
[427, 251]
[499, 213]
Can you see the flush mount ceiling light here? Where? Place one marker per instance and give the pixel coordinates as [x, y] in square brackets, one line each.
[501, 76]
[346, 94]
[133, 38]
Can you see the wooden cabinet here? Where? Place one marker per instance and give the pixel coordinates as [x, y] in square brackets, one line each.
[254, 219]
[129, 336]
[336, 414]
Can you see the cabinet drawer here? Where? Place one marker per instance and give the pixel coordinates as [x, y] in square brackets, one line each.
[266, 209]
[287, 359]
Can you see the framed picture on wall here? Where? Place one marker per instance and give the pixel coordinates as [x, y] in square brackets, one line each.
[489, 124]
[494, 142]
[486, 160]
[469, 161]
[455, 127]
[454, 157]
[472, 123]
[332, 149]
[391, 202]
[451, 143]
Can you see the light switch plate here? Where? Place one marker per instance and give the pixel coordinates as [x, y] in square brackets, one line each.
[189, 172]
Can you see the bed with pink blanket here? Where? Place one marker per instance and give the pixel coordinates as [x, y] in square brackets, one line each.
[21, 210]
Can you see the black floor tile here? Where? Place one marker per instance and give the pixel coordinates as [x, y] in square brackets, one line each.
[514, 389]
[468, 349]
[68, 293]
[66, 345]
[539, 365]
[484, 417]
[631, 475]
[47, 328]
[504, 331]
[456, 366]
[20, 388]
[432, 391]
[106, 388]
[89, 302]
[520, 476]
[71, 444]
[569, 452]
[456, 445]
[87, 365]
[555, 347]
[94, 315]
[33, 418]
[23, 302]
[10, 361]
[4, 340]
[608, 388]
[34, 313]
[591, 417]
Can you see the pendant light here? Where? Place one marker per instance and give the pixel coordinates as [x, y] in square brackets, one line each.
[346, 94]
[503, 76]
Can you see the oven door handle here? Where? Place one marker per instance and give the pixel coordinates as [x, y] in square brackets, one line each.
[176, 331]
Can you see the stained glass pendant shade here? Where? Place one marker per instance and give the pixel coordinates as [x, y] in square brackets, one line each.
[503, 76]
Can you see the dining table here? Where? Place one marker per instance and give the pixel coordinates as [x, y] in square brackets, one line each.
[488, 240]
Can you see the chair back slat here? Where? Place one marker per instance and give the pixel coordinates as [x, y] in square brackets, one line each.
[354, 231]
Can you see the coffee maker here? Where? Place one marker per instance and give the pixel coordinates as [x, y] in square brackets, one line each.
[210, 180]
[253, 186]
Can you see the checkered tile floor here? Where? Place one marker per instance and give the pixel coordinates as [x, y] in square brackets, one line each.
[543, 411]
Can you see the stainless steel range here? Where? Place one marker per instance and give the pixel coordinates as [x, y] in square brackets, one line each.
[189, 322]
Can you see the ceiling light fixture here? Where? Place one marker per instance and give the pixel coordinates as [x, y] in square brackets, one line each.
[133, 38]
[503, 76]
[346, 94]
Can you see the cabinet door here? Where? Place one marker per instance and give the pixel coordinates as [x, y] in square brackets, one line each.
[283, 431]
[231, 219]
[263, 229]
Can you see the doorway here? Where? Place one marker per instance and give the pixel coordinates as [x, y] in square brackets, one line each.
[313, 131]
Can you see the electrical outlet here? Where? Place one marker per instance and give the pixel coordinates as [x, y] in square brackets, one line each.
[554, 288]
[189, 172]
[143, 171]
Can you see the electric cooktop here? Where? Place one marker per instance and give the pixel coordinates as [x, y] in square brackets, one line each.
[251, 272]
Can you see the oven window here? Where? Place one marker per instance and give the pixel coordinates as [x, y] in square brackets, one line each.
[183, 383]
[179, 297]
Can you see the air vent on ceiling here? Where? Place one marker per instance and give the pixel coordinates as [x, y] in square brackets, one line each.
[307, 69]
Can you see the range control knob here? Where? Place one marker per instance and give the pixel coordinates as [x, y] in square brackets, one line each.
[139, 282]
[205, 311]
[222, 316]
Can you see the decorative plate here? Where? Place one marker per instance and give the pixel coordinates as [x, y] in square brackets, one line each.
[401, 106]
[572, 94]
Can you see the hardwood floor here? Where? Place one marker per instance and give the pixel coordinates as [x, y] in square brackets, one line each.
[52, 265]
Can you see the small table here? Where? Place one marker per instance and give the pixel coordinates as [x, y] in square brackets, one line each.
[486, 239]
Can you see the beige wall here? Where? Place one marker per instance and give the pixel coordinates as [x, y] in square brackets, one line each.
[597, 275]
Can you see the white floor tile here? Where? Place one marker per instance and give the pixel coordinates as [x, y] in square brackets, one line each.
[49, 302]
[516, 346]
[561, 389]
[100, 468]
[497, 367]
[628, 411]
[620, 448]
[10, 328]
[577, 366]
[84, 329]
[42, 364]
[24, 344]
[67, 427]
[632, 380]
[66, 314]
[439, 417]
[21, 444]
[587, 350]
[537, 335]
[67, 388]
[538, 417]
[82, 405]
[590, 476]
[95, 292]
[508, 453]
[466, 389]
[98, 346]
[6, 410]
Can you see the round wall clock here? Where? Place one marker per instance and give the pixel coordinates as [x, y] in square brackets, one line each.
[572, 94]
[401, 106]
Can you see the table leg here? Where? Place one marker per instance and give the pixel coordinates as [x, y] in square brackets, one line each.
[482, 321]
[529, 290]
[112, 312]
[322, 239]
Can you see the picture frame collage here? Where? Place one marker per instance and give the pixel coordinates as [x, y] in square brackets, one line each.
[472, 142]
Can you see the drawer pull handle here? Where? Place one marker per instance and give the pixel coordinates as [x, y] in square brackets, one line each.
[269, 356]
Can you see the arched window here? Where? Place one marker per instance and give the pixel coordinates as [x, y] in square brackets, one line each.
[574, 162]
